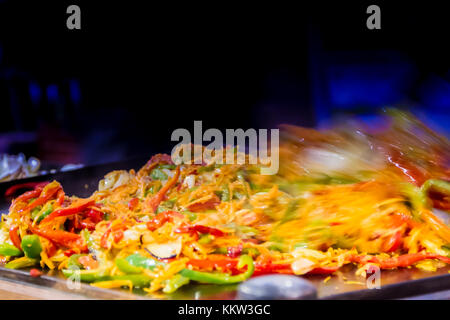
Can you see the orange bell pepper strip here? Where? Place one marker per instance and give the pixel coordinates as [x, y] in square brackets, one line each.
[154, 201]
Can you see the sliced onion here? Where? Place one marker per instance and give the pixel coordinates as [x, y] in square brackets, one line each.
[165, 250]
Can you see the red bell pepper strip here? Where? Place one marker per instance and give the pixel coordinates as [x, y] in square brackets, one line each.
[29, 195]
[27, 185]
[14, 236]
[200, 229]
[133, 203]
[79, 207]
[95, 215]
[323, 270]
[393, 242]
[154, 201]
[60, 197]
[60, 237]
[204, 229]
[43, 198]
[161, 158]
[104, 238]
[161, 218]
[201, 206]
[402, 261]
[118, 235]
[88, 224]
[51, 249]
[215, 262]
[234, 252]
[69, 253]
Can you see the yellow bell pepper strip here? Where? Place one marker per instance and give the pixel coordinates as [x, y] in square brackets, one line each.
[8, 250]
[138, 280]
[31, 246]
[222, 278]
[22, 262]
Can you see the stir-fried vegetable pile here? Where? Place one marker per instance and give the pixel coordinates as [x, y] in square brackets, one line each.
[341, 197]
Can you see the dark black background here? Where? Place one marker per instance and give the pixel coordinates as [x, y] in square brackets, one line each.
[146, 69]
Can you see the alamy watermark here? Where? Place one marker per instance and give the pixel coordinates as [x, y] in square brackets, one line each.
[262, 149]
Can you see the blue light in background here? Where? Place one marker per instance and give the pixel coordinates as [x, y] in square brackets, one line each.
[435, 94]
[35, 92]
[75, 91]
[368, 85]
[52, 92]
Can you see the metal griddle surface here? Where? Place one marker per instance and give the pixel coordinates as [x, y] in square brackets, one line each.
[344, 285]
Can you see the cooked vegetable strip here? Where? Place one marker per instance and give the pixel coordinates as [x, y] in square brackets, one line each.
[222, 278]
[153, 203]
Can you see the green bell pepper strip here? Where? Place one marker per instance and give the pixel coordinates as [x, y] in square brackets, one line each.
[222, 278]
[225, 193]
[134, 263]
[31, 246]
[126, 267]
[21, 263]
[35, 212]
[90, 276]
[44, 214]
[9, 250]
[175, 283]
[158, 174]
[86, 275]
[139, 261]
